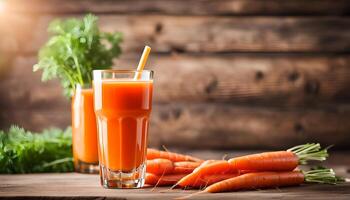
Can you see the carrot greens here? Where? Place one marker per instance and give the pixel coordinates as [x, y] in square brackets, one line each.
[75, 49]
[310, 151]
[23, 151]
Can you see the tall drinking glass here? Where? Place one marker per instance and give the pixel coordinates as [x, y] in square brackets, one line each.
[123, 103]
[84, 131]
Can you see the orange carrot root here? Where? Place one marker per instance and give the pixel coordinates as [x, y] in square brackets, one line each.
[204, 164]
[216, 167]
[207, 168]
[185, 167]
[165, 180]
[207, 180]
[258, 180]
[281, 160]
[159, 166]
[268, 161]
[175, 157]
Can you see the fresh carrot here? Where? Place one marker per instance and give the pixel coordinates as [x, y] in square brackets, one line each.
[175, 157]
[207, 168]
[185, 167]
[280, 160]
[198, 180]
[159, 166]
[151, 179]
[204, 164]
[269, 161]
[191, 178]
[164, 180]
[257, 180]
[216, 167]
[260, 180]
[207, 180]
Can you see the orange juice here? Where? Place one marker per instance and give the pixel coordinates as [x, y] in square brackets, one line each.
[84, 129]
[123, 109]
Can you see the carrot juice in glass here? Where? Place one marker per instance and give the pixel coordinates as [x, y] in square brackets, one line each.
[123, 103]
[84, 131]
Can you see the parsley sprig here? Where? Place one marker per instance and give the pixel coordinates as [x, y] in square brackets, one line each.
[23, 151]
[75, 49]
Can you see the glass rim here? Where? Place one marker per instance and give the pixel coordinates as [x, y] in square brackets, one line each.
[123, 71]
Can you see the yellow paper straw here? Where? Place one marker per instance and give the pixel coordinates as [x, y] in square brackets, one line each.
[143, 61]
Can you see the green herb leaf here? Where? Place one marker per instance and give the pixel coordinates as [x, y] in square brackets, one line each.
[22, 151]
[75, 49]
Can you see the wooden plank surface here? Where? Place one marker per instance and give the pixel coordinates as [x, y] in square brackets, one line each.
[228, 126]
[295, 103]
[192, 34]
[178, 7]
[35, 120]
[285, 81]
[291, 110]
[227, 101]
[259, 67]
[269, 80]
[82, 186]
[219, 126]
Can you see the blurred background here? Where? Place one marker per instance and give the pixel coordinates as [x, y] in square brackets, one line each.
[229, 74]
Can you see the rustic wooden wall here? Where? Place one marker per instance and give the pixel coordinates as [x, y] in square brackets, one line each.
[229, 73]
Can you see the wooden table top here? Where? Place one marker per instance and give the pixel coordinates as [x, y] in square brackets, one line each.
[85, 186]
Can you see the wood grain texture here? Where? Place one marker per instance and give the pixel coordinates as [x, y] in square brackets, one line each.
[83, 186]
[204, 33]
[232, 127]
[22, 89]
[15, 31]
[181, 7]
[287, 81]
[35, 120]
[219, 126]
[269, 80]
[229, 73]
[189, 107]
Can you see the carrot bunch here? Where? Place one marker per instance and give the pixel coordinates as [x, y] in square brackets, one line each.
[261, 180]
[256, 171]
[167, 168]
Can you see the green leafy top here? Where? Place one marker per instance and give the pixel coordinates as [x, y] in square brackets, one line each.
[75, 49]
[22, 151]
[310, 151]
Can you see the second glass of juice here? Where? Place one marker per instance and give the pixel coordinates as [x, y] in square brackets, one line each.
[84, 131]
[122, 103]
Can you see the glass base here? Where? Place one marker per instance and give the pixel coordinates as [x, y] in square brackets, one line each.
[118, 179]
[87, 168]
